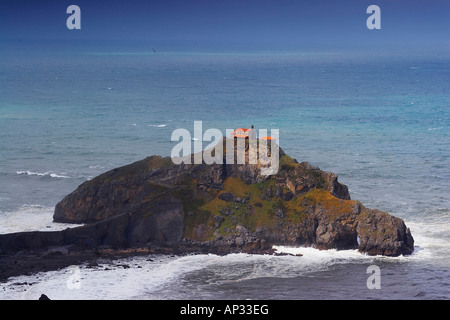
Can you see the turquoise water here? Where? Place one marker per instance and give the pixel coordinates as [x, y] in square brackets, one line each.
[380, 120]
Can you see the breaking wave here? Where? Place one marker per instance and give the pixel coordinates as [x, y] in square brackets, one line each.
[44, 174]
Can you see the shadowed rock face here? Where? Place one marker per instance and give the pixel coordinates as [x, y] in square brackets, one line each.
[218, 208]
[381, 233]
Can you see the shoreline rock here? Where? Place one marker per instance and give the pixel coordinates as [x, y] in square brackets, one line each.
[220, 208]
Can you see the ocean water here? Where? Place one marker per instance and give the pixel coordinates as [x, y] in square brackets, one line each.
[378, 119]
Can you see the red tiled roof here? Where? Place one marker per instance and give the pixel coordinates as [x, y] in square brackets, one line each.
[243, 129]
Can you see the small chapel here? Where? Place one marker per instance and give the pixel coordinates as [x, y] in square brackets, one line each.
[248, 134]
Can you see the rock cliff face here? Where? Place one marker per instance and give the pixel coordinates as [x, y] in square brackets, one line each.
[218, 208]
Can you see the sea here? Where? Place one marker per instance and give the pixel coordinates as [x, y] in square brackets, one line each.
[377, 117]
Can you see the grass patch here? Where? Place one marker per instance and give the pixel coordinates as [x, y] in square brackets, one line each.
[237, 187]
[331, 205]
[258, 209]
[287, 163]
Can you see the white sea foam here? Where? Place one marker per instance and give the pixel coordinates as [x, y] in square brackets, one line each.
[169, 277]
[158, 125]
[107, 281]
[31, 173]
[30, 217]
[54, 175]
[160, 277]
[431, 241]
[165, 277]
[96, 167]
[42, 174]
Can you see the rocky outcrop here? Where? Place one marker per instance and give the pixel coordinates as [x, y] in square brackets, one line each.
[126, 189]
[382, 234]
[218, 208]
[129, 229]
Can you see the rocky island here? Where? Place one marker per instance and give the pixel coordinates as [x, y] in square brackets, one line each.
[154, 205]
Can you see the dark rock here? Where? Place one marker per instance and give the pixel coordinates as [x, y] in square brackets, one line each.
[226, 212]
[219, 218]
[279, 192]
[226, 196]
[44, 297]
[239, 241]
[382, 234]
[241, 229]
[280, 254]
[153, 203]
[279, 213]
[287, 196]
[267, 194]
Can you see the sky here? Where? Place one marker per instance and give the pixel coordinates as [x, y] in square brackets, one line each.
[269, 23]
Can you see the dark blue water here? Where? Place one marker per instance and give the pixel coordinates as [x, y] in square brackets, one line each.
[380, 120]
